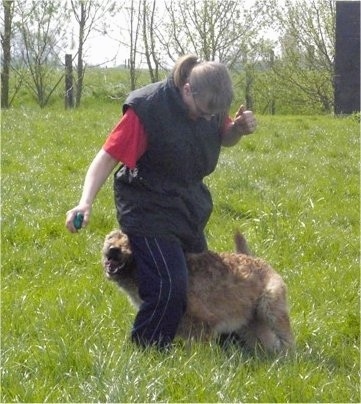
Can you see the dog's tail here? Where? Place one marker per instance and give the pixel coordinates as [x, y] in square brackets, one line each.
[241, 244]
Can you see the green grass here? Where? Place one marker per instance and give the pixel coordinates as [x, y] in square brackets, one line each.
[293, 190]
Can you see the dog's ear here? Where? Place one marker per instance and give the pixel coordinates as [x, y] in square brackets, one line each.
[113, 234]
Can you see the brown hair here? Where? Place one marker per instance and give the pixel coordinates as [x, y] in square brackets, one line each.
[210, 82]
[183, 68]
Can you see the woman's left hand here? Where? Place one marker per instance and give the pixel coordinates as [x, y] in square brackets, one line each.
[244, 121]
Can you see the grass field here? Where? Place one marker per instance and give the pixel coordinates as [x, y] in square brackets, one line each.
[293, 190]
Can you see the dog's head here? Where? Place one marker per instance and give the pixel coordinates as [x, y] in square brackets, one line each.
[116, 255]
[119, 265]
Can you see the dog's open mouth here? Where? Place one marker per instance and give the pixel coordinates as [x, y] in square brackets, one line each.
[114, 261]
[113, 267]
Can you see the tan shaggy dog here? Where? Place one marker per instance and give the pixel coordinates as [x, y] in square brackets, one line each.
[230, 294]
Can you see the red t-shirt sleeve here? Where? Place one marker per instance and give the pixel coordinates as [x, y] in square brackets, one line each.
[128, 140]
[227, 122]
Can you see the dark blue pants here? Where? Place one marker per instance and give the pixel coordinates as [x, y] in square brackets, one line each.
[163, 280]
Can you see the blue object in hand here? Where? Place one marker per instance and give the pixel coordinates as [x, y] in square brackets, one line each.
[78, 220]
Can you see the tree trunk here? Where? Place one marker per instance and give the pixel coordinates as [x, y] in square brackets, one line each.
[6, 47]
[80, 67]
[69, 99]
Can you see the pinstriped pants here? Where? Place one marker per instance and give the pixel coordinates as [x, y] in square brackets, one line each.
[163, 280]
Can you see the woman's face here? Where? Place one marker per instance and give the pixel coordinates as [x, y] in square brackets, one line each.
[195, 107]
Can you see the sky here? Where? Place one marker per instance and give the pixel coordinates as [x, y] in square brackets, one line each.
[102, 50]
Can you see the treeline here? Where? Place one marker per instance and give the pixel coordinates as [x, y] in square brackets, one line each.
[281, 54]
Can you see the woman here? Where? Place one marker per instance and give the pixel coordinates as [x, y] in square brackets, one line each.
[168, 140]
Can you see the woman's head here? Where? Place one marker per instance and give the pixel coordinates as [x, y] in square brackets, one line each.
[206, 87]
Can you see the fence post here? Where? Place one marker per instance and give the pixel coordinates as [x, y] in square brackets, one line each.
[69, 97]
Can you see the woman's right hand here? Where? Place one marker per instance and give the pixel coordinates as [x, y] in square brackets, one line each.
[98, 171]
[85, 210]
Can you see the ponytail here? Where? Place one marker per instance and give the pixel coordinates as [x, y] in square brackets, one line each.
[183, 68]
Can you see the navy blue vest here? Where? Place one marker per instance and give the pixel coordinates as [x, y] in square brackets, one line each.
[165, 195]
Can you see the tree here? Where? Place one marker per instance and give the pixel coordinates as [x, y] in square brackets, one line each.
[225, 31]
[134, 30]
[149, 39]
[8, 7]
[41, 40]
[138, 34]
[90, 15]
[214, 30]
[307, 29]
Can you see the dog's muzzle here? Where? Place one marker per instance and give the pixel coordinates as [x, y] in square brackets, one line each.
[114, 262]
